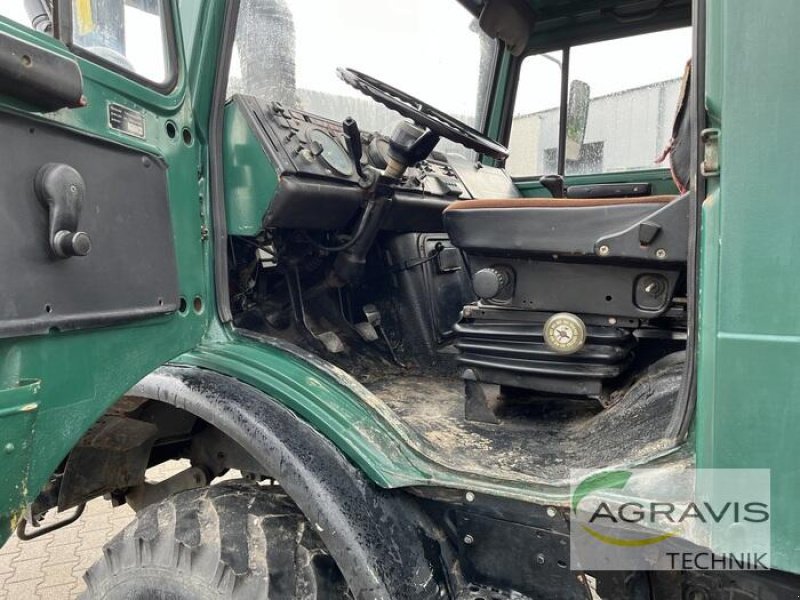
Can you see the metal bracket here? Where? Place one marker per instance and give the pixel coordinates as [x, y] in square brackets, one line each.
[25, 535]
[711, 161]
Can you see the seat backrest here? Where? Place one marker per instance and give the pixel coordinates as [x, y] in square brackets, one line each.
[679, 149]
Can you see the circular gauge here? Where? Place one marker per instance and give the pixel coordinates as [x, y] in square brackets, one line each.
[565, 333]
[332, 153]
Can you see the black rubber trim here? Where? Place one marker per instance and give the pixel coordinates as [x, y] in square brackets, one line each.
[38, 76]
[216, 171]
[685, 409]
[378, 538]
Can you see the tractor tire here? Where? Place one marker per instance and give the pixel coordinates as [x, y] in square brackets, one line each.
[234, 540]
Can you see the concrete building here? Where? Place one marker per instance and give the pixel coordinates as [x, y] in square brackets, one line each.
[625, 131]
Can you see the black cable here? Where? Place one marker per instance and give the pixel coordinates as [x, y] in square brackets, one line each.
[411, 264]
[348, 244]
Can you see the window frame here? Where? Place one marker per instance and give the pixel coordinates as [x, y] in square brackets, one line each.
[63, 31]
[565, 48]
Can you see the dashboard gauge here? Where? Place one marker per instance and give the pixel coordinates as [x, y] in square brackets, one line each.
[332, 154]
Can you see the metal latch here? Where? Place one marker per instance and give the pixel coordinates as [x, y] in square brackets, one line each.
[710, 165]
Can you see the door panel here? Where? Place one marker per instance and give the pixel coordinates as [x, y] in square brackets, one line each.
[130, 270]
[150, 233]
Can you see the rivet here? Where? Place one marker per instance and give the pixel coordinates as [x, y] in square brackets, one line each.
[661, 253]
[551, 512]
[603, 250]
[612, 321]
[468, 539]
[470, 497]
[9, 448]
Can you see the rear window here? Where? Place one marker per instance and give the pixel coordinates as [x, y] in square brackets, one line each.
[623, 97]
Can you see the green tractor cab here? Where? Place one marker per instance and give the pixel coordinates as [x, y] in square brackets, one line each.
[417, 270]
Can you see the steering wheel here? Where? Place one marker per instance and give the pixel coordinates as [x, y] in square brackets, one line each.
[423, 114]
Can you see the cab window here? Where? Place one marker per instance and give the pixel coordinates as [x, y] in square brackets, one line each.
[131, 35]
[619, 111]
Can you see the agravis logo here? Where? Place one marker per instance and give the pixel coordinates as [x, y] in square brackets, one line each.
[702, 519]
[609, 480]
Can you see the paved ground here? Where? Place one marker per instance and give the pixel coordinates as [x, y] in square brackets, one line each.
[51, 567]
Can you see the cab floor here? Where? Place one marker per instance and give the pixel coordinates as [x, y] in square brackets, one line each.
[539, 440]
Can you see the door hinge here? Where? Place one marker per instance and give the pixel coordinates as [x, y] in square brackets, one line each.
[710, 165]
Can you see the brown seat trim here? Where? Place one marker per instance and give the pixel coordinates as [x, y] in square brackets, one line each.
[555, 202]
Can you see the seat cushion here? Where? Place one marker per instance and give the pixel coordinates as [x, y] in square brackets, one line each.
[544, 225]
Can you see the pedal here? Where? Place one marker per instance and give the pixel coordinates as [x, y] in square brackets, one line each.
[367, 332]
[332, 342]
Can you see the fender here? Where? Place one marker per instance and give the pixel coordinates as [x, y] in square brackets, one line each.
[379, 538]
[367, 431]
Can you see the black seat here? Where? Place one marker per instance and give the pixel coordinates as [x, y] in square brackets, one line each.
[566, 286]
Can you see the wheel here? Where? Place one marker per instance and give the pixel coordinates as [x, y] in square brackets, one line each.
[423, 114]
[233, 540]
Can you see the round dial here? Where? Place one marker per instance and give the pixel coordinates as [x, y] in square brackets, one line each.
[332, 154]
[565, 333]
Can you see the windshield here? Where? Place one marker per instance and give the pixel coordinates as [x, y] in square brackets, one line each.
[288, 50]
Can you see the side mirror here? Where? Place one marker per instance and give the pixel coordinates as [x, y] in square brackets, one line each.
[577, 117]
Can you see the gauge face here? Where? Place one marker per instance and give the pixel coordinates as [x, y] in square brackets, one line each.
[333, 155]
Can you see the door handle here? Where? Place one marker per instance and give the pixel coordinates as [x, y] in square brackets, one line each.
[62, 190]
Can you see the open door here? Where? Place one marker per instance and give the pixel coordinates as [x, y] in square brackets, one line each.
[102, 231]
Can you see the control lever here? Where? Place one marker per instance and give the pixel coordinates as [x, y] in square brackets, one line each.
[61, 189]
[408, 145]
[553, 184]
[353, 135]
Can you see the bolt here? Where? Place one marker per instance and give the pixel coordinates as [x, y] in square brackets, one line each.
[603, 250]
[661, 253]
[470, 497]
[551, 512]
[9, 448]
[468, 539]
[540, 559]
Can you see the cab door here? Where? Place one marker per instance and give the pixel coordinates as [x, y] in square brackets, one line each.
[102, 220]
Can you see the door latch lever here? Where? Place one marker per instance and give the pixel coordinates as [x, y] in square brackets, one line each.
[62, 191]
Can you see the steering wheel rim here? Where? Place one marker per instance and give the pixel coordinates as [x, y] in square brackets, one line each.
[423, 114]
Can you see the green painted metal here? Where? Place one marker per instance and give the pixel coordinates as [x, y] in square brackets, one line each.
[52, 388]
[250, 179]
[494, 118]
[18, 410]
[359, 423]
[82, 373]
[749, 382]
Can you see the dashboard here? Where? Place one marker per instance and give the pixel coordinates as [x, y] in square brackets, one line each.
[317, 184]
